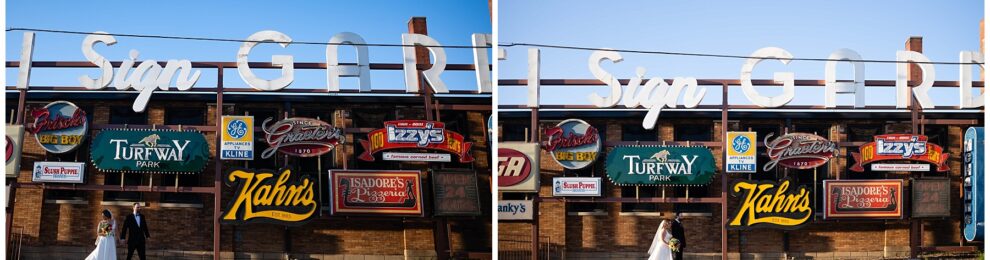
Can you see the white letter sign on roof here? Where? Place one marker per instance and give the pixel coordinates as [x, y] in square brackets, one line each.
[284, 61]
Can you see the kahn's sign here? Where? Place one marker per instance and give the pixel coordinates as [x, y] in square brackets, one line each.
[59, 127]
[577, 186]
[415, 135]
[798, 151]
[302, 137]
[64, 172]
[396, 193]
[573, 143]
[770, 204]
[518, 167]
[149, 151]
[864, 198]
[900, 147]
[261, 196]
[660, 165]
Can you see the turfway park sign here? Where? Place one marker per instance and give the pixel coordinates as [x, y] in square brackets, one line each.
[655, 93]
[152, 151]
[660, 165]
[149, 76]
[770, 204]
[261, 196]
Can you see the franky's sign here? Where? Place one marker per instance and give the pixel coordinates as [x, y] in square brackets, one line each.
[515, 210]
[741, 155]
[770, 204]
[896, 147]
[150, 151]
[59, 127]
[415, 134]
[573, 143]
[660, 165]
[798, 151]
[864, 198]
[518, 167]
[237, 138]
[261, 196]
[302, 137]
[376, 193]
[64, 172]
[149, 76]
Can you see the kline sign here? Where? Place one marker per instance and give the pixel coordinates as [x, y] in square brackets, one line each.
[150, 76]
[655, 93]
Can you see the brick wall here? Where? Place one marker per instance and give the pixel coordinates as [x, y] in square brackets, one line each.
[71, 227]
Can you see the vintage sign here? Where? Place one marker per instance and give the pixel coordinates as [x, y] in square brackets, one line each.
[302, 137]
[864, 198]
[415, 135]
[515, 210]
[65, 172]
[455, 193]
[770, 204]
[798, 151]
[14, 143]
[150, 76]
[577, 186]
[59, 127]
[237, 138]
[973, 174]
[930, 198]
[149, 151]
[900, 147]
[416, 157]
[518, 167]
[741, 155]
[375, 193]
[660, 165]
[573, 143]
[261, 196]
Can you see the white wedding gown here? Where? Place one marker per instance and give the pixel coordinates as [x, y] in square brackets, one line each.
[106, 247]
[658, 249]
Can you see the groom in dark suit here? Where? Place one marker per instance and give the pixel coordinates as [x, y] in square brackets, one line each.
[677, 231]
[135, 231]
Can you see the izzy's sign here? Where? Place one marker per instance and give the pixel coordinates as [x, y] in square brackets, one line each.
[573, 143]
[656, 93]
[895, 147]
[303, 137]
[376, 193]
[59, 127]
[261, 196]
[151, 151]
[415, 134]
[798, 151]
[864, 198]
[770, 204]
[660, 165]
[149, 76]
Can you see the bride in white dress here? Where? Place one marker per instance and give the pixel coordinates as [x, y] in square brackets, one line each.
[106, 243]
[660, 249]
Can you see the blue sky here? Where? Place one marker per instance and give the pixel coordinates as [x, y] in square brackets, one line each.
[449, 22]
[807, 29]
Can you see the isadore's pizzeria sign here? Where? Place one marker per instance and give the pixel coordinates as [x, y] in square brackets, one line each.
[149, 76]
[655, 93]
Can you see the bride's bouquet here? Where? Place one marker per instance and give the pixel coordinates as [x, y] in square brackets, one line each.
[674, 244]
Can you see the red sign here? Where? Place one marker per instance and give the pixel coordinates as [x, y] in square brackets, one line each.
[863, 198]
[376, 192]
[798, 151]
[415, 134]
[303, 137]
[10, 148]
[513, 167]
[900, 147]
